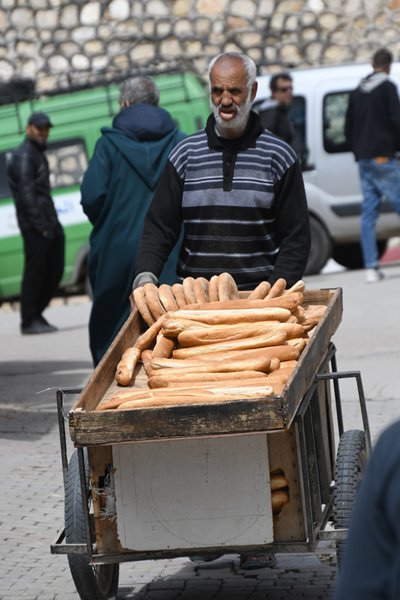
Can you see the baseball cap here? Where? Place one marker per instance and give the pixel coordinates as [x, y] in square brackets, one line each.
[39, 119]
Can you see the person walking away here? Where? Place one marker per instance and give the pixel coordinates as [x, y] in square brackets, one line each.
[115, 194]
[239, 193]
[275, 113]
[371, 562]
[42, 233]
[372, 129]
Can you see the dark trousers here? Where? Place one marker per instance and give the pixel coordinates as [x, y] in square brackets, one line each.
[44, 266]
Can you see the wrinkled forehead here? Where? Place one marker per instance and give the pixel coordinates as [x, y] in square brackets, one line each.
[229, 72]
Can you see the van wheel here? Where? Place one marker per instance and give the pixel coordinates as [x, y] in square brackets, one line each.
[321, 248]
[350, 255]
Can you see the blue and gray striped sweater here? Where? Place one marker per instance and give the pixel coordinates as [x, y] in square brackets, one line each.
[242, 204]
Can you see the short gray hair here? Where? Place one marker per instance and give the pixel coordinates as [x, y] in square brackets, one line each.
[139, 90]
[248, 63]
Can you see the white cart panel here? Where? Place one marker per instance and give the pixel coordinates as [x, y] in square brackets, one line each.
[193, 493]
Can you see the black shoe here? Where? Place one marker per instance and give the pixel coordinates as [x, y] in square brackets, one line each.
[37, 327]
[45, 322]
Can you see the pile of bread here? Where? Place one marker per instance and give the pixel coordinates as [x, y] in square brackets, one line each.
[207, 343]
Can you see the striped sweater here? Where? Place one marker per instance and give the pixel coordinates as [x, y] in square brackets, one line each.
[242, 205]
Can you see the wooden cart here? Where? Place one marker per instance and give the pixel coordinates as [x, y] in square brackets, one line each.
[190, 480]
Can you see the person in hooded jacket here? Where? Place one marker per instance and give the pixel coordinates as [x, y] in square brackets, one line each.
[372, 129]
[116, 191]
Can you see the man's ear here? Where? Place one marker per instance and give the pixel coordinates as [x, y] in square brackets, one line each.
[254, 90]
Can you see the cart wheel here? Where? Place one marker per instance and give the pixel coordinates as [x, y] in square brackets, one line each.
[98, 582]
[350, 463]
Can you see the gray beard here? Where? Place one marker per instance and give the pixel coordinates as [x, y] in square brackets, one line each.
[237, 124]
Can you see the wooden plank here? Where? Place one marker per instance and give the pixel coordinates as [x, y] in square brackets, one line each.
[119, 426]
[103, 375]
[311, 357]
[289, 524]
[100, 460]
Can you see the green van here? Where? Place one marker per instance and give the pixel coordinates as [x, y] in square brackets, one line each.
[77, 118]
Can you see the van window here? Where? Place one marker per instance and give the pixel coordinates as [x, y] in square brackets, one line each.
[298, 116]
[67, 162]
[334, 114]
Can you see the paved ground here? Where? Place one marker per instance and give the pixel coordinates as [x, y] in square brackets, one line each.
[31, 508]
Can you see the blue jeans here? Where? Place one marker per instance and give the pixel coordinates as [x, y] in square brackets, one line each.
[377, 180]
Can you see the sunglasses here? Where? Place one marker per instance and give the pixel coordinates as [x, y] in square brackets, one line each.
[285, 89]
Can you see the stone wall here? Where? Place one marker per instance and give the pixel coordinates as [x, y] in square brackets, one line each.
[62, 43]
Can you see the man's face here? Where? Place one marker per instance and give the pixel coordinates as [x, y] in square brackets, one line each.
[38, 134]
[230, 97]
[284, 92]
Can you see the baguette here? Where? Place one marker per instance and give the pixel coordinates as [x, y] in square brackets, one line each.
[189, 396]
[166, 365]
[172, 327]
[130, 358]
[227, 288]
[278, 481]
[167, 297]
[207, 379]
[153, 300]
[179, 295]
[299, 286]
[260, 291]
[146, 357]
[279, 498]
[188, 290]
[213, 289]
[277, 288]
[141, 305]
[283, 352]
[194, 336]
[274, 338]
[251, 315]
[201, 289]
[290, 301]
[126, 365]
[163, 347]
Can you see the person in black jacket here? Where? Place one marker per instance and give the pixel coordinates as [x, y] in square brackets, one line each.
[42, 233]
[275, 113]
[372, 130]
[370, 568]
[237, 189]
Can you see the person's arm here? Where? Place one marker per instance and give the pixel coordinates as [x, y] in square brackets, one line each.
[96, 181]
[394, 111]
[370, 568]
[292, 226]
[162, 225]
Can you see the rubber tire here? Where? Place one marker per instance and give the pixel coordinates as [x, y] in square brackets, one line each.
[98, 582]
[350, 255]
[321, 248]
[350, 464]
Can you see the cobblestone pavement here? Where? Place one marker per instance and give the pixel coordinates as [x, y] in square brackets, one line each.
[32, 503]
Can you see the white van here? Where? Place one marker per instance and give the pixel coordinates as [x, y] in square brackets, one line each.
[331, 173]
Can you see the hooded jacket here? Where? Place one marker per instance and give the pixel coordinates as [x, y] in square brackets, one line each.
[115, 194]
[372, 125]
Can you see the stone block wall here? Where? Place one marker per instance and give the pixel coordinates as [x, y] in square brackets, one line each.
[61, 43]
